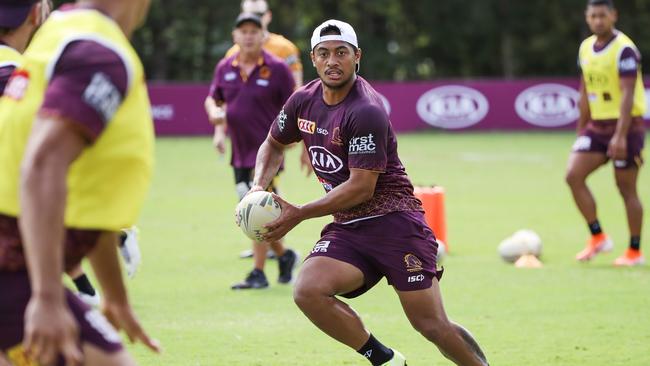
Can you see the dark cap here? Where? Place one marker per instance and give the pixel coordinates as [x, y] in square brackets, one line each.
[13, 13]
[246, 17]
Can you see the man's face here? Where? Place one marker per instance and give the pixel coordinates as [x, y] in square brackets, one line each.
[601, 19]
[335, 62]
[249, 37]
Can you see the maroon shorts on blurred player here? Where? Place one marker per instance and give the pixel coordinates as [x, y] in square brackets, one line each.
[94, 329]
[597, 135]
[399, 246]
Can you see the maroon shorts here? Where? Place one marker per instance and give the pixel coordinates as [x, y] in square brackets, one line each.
[12, 258]
[94, 329]
[399, 246]
[597, 135]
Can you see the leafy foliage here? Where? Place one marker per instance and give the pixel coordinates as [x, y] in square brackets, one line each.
[401, 39]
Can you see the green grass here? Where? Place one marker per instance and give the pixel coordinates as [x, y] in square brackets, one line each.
[564, 314]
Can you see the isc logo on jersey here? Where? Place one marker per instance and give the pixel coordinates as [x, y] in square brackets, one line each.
[362, 145]
[306, 126]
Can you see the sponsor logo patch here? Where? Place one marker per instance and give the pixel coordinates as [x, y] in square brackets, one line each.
[322, 160]
[548, 105]
[17, 85]
[452, 107]
[282, 119]
[417, 278]
[627, 64]
[103, 96]
[265, 72]
[306, 126]
[336, 137]
[321, 247]
[413, 263]
[262, 82]
[326, 185]
[362, 145]
[230, 76]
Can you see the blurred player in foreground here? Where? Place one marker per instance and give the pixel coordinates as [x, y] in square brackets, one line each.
[19, 21]
[247, 92]
[379, 228]
[612, 104]
[77, 115]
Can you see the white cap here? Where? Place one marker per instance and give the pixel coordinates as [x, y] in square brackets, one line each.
[347, 33]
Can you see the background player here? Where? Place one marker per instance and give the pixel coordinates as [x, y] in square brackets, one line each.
[247, 92]
[370, 195]
[612, 103]
[81, 93]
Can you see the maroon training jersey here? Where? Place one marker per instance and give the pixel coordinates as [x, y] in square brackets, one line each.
[354, 134]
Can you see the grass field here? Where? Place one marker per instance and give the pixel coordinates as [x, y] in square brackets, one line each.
[564, 314]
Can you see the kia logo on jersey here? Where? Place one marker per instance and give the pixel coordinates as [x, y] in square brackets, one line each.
[452, 107]
[548, 105]
[324, 161]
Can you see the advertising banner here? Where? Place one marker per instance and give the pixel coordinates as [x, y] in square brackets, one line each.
[467, 105]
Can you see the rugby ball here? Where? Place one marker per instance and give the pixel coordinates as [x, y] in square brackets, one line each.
[522, 242]
[254, 211]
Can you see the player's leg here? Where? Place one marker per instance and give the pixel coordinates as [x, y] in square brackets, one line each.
[85, 289]
[581, 165]
[319, 281]
[626, 181]
[97, 357]
[3, 360]
[425, 311]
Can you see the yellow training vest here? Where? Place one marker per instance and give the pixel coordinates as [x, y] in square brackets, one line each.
[108, 182]
[601, 78]
[9, 57]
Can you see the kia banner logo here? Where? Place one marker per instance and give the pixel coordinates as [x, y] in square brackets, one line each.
[324, 161]
[548, 105]
[452, 107]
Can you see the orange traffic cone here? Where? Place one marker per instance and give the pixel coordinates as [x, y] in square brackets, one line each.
[433, 202]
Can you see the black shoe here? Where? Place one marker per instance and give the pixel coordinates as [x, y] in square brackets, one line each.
[255, 280]
[287, 262]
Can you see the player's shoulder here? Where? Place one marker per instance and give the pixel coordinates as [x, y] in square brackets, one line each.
[306, 93]
[273, 60]
[226, 61]
[280, 46]
[93, 56]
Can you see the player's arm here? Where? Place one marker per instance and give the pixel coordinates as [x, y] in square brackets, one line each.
[216, 111]
[583, 107]
[359, 188]
[51, 149]
[214, 104]
[269, 159]
[628, 73]
[117, 309]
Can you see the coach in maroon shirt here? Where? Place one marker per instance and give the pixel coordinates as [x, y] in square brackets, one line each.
[246, 94]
